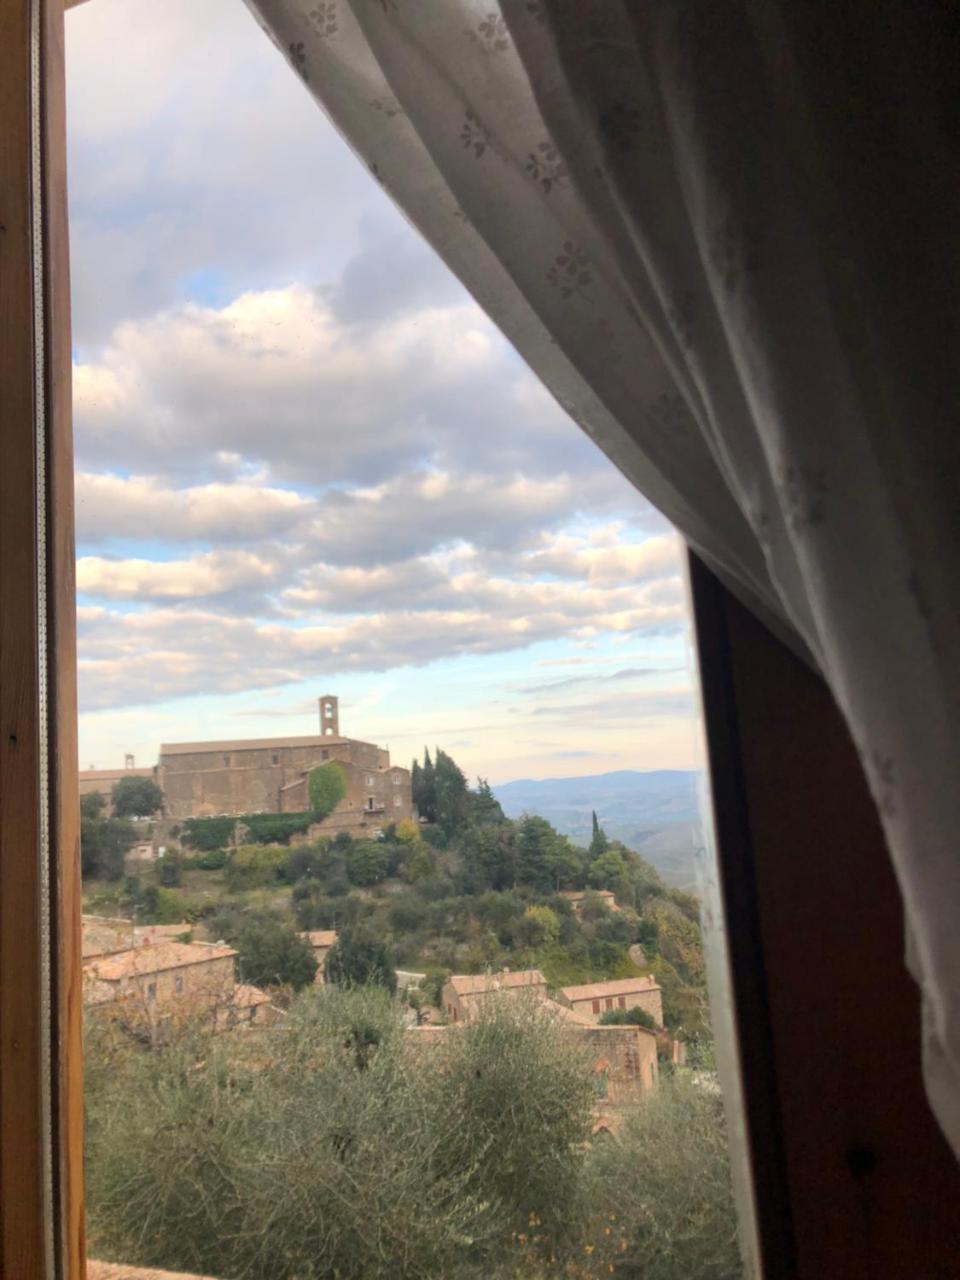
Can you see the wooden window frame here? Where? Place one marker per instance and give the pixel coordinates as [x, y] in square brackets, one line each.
[841, 1172]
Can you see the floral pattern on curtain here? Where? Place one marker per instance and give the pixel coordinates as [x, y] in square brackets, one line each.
[645, 199]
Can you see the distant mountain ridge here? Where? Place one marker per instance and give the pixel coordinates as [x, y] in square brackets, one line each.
[655, 812]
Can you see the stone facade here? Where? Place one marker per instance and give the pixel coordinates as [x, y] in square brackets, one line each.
[162, 979]
[463, 993]
[271, 775]
[593, 999]
[320, 940]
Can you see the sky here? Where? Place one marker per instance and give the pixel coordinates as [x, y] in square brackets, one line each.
[307, 463]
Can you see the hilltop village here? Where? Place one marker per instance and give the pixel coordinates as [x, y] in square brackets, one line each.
[234, 873]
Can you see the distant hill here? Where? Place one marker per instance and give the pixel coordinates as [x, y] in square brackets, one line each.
[657, 813]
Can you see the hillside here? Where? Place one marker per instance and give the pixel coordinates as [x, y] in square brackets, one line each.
[656, 813]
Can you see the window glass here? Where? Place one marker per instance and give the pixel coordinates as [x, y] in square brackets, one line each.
[306, 461]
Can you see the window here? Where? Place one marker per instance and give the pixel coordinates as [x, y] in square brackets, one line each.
[622, 1002]
[151, 991]
[226, 762]
[398, 802]
[274, 759]
[596, 1006]
[324, 753]
[178, 984]
[397, 779]
[609, 1002]
[370, 802]
[369, 780]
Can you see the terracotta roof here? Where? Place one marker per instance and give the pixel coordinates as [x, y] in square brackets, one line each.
[475, 984]
[155, 959]
[247, 997]
[254, 744]
[105, 775]
[618, 987]
[117, 1271]
[320, 937]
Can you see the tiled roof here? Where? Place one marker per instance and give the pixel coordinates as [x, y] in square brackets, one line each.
[117, 1271]
[475, 984]
[155, 959]
[320, 937]
[253, 744]
[247, 997]
[618, 987]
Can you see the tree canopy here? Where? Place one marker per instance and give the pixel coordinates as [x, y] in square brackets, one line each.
[269, 954]
[359, 958]
[136, 798]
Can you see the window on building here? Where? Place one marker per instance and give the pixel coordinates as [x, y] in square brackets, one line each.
[226, 762]
[274, 759]
[178, 984]
[151, 991]
[596, 1006]
[622, 1002]
[370, 802]
[397, 779]
[328, 710]
[609, 1002]
[369, 780]
[324, 753]
[397, 801]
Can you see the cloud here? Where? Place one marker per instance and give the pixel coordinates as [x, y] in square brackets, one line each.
[277, 379]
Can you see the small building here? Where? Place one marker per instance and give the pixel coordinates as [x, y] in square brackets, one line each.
[247, 1007]
[462, 992]
[595, 998]
[320, 940]
[164, 978]
[576, 898]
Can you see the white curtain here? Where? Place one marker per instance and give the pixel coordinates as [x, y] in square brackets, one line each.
[739, 280]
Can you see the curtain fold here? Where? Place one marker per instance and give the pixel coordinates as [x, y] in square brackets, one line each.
[712, 235]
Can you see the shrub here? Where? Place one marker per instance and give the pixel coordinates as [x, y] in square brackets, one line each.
[269, 954]
[367, 862]
[635, 1017]
[665, 1182]
[360, 958]
[252, 867]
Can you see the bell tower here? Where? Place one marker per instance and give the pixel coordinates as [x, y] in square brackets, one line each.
[329, 716]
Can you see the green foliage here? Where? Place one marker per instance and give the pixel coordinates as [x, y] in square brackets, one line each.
[170, 869]
[607, 870]
[210, 834]
[327, 786]
[136, 798]
[635, 1017]
[598, 841]
[269, 954]
[367, 862]
[104, 842]
[252, 867]
[543, 926]
[664, 1184]
[212, 860]
[360, 958]
[486, 807]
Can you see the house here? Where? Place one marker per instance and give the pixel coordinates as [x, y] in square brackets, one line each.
[247, 1007]
[272, 775]
[595, 998]
[576, 898]
[462, 992]
[163, 978]
[320, 940]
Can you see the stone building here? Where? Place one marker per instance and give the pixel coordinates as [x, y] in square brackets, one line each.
[464, 992]
[168, 976]
[595, 998]
[271, 775]
[577, 897]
